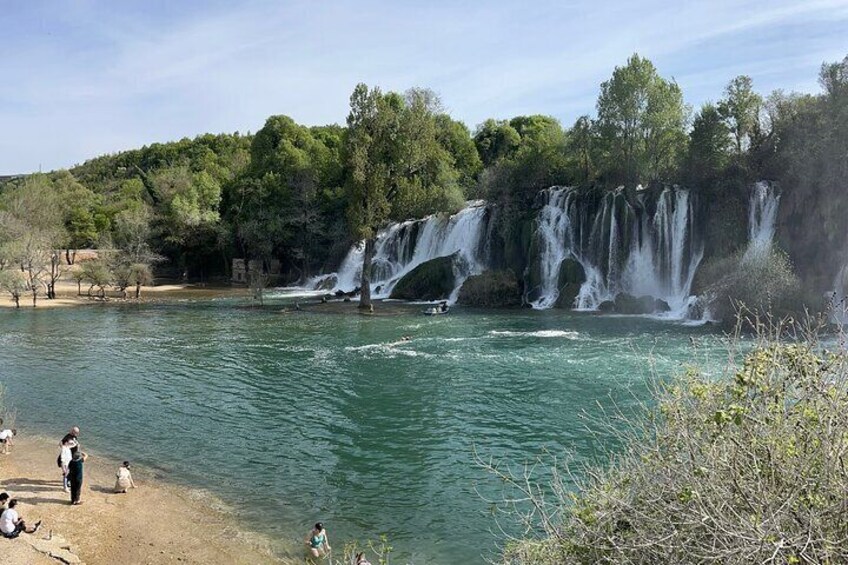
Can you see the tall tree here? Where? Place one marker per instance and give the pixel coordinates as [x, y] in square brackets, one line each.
[496, 140]
[709, 145]
[741, 109]
[642, 121]
[397, 167]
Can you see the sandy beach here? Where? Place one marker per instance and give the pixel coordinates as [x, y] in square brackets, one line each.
[66, 295]
[155, 523]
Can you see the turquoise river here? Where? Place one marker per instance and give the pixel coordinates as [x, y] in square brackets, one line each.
[304, 416]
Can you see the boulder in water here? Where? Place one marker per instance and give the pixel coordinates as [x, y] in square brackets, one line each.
[491, 289]
[431, 280]
[628, 304]
[661, 305]
[606, 306]
[571, 278]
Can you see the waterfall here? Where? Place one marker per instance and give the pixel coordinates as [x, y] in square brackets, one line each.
[621, 243]
[762, 215]
[403, 246]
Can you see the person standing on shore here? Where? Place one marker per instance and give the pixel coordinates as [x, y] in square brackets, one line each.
[68, 445]
[75, 476]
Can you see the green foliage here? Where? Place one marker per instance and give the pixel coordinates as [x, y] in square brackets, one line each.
[641, 121]
[283, 205]
[759, 281]
[746, 468]
[397, 168]
[804, 148]
[496, 140]
[98, 274]
[709, 146]
[741, 108]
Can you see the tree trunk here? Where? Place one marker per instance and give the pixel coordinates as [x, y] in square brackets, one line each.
[365, 281]
[79, 288]
[34, 297]
[137, 291]
[17, 299]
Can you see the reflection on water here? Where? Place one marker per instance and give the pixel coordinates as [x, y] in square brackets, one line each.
[294, 418]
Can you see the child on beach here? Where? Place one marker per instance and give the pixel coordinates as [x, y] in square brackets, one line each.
[124, 478]
[6, 439]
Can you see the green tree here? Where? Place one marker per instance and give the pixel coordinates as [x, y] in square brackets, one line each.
[397, 167]
[455, 137]
[709, 145]
[582, 147]
[642, 121]
[741, 109]
[32, 227]
[496, 140]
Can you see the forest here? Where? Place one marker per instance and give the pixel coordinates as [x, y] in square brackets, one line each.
[301, 195]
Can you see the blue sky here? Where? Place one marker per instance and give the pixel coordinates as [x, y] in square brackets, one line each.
[86, 77]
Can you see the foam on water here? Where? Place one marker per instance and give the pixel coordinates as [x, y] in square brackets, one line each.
[537, 333]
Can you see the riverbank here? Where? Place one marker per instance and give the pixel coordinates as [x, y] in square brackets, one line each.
[155, 523]
[67, 295]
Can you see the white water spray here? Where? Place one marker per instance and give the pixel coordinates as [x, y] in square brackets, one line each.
[403, 246]
[621, 245]
[762, 217]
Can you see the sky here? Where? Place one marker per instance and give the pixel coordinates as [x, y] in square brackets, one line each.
[79, 78]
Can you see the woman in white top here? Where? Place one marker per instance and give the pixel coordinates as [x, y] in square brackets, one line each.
[65, 456]
[6, 439]
[11, 524]
[124, 478]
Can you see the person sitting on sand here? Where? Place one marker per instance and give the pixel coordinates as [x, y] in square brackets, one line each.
[124, 479]
[75, 468]
[6, 439]
[317, 541]
[11, 524]
[4, 500]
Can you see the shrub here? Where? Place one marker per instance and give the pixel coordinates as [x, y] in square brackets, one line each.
[758, 281]
[748, 468]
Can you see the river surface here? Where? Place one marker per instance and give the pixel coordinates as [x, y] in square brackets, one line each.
[305, 416]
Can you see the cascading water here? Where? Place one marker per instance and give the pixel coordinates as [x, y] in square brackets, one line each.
[762, 215]
[622, 245]
[402, 247]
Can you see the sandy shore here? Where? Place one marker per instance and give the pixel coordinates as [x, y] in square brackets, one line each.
[66, 295]
[155, 523]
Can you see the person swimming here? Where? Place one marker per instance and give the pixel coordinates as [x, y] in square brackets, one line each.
[317, 541]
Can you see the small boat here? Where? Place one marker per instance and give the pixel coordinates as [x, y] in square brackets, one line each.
[436, 310]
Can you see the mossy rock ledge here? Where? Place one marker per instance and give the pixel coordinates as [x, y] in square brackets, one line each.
[431, 280]
[491, 289]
